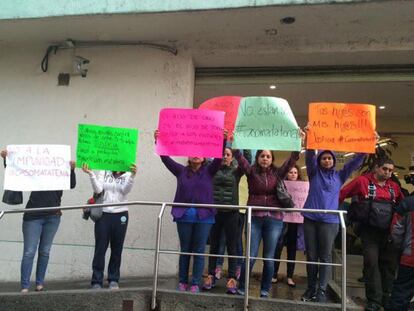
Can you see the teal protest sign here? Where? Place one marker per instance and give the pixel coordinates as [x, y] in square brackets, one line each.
[266, 123]
[106, 148]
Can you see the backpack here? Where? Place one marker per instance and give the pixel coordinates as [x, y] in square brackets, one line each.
[373, 212]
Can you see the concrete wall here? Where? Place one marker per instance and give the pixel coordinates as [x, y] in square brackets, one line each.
[46, 8]
[125, 87]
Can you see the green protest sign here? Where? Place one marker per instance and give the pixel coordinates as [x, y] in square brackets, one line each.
[106, 148]
[266, 123]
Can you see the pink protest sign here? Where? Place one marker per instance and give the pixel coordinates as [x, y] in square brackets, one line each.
[299, 192]
[190, 132]
[228, 104]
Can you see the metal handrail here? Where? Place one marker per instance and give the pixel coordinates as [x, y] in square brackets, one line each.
[247, 256]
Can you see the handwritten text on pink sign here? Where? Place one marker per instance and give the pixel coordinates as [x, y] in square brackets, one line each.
[190, 132]
[299, 192]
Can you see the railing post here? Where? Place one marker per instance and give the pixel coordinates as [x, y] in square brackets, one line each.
[247, 262]
[157, 258]
[343, 231]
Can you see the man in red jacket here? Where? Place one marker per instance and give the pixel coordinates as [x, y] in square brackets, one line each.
[380, 255]
[403, 237]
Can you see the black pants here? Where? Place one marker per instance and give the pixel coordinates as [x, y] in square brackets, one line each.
[403, 290]
[319, 238]
[288, 239]
[229, 222]
[380, 263]
[110, 228]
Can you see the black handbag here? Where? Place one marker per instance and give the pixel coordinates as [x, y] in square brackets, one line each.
[12, 197]
[373, 212]
[283, 195]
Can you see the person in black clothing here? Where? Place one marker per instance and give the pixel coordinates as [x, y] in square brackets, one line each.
[226, 192]
[39, 230]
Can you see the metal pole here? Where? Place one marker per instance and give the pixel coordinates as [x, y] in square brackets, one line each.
[157, 258]
[343, 231]
[247, 263]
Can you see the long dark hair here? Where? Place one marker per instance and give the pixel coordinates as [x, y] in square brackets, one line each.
[299, 173]
[256, 158]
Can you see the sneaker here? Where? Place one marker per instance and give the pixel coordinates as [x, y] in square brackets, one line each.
[231, 286]
[96, 286]
[218, 272]
[182, 287]
[240, 291]
[209, 282]
[274, 280]
[194, 289]
[238, 272]
[24, 290]
[39, 288]
[309, 295]
[264, 294]
[113, 285]
[321, 296]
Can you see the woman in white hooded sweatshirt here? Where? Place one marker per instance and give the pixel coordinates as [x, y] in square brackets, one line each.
[111, 227]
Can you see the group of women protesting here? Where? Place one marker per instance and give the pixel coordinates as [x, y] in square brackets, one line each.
[210, 182]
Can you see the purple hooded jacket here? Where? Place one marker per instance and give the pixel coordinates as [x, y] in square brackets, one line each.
[193, 187]
[262, 183]
[325, 184]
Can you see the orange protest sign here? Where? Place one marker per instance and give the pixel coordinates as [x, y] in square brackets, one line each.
[342, 127]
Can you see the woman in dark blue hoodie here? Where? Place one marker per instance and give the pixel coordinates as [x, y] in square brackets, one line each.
[321, 229]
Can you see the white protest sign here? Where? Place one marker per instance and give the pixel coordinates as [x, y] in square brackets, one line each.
[37, 167]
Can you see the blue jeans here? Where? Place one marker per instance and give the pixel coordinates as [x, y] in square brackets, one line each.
[268, 229]
[193, 239]
[37, 232]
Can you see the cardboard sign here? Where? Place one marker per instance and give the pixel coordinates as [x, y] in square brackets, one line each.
[342, 127]
[266, 123]
[37, 168]
[228, 104]
[106, 148]
[190, 132]
[299, 192]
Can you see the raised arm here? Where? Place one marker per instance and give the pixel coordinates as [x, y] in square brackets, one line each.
[214, 166]
[129, 182]
[174, 167]
[310, 160]
[288, 164]
[244, 165]
[351, 166]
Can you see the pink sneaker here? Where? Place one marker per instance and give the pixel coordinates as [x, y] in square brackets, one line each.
[218, 272]
[194, 289]
[182, 287]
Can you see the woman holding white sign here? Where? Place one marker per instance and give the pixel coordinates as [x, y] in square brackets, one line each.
[39, 230]
[111, 227]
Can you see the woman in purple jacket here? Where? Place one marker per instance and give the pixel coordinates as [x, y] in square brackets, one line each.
[194, 185]
[321, 229]
[262, 178]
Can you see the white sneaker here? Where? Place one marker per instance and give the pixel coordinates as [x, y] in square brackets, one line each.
[113, 285]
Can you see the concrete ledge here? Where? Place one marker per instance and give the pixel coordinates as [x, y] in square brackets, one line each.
[98, 300]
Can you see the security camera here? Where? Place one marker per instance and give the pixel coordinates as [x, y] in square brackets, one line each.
[80, 63]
